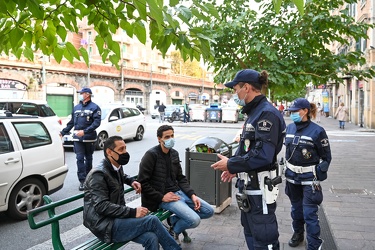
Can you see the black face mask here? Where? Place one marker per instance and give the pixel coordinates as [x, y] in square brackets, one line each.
[123, 159]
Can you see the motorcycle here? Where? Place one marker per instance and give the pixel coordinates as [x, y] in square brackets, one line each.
[176, 116]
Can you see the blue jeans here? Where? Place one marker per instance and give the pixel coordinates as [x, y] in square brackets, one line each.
[342, 124]
[84, 152]
[161, 117]
[148, 231]
[185, 216]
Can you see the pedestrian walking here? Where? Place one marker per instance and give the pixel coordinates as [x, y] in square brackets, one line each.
[85, 118]
[186, 113]
[105, 212]
[308, 156]
[254, 162]
[318, 112]
[342, 115]
[161, 110]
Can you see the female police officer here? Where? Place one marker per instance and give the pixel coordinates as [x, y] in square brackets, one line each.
[308, 156]
[254, 161]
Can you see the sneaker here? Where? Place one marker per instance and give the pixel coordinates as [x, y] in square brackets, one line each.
[296, 239]
[81, 187]
[186, 238]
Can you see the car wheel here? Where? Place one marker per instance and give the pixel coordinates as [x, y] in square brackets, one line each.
[102, 137]
[153, 117]
[139, 134]
[26, 195]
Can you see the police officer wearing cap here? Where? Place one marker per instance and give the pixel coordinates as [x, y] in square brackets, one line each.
[254, 162]
[308, 156]
[85, 118]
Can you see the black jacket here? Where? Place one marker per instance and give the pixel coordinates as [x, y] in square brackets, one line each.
[104, 200]
[153, 174]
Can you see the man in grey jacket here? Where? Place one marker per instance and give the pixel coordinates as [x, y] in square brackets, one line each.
[105, 212]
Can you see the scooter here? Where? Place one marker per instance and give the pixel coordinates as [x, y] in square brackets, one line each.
[176, 116]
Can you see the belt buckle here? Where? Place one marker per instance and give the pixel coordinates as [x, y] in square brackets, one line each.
[299, 170]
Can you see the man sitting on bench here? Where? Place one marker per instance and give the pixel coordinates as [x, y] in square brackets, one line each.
[105, 212]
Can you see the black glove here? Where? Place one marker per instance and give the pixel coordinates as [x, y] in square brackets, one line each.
[321, 170]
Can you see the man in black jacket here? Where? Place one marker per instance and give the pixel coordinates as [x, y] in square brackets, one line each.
[164, 185]
[105, 212]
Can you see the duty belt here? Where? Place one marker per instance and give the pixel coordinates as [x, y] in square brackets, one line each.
[302, 182]
[300, 169]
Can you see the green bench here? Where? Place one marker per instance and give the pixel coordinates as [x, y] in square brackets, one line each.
[54, 218]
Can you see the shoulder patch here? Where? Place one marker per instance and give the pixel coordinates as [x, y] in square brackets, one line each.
[325, 142]
[99, 112]
[264, 125]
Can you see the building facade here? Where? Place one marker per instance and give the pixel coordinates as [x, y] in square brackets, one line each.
[357, 95]
[144, 77]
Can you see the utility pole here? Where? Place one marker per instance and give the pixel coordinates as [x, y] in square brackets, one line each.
[89, 52]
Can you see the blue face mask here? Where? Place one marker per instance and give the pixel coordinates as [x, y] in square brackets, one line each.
[237, 100]
[80, 97]
[295, 117]
[169, 143]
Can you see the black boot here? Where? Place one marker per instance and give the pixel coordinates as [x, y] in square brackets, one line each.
[296, 239]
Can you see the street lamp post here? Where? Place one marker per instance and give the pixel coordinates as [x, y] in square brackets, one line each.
[89, 52]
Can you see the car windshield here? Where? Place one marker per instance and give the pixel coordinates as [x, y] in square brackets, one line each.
[105, 112]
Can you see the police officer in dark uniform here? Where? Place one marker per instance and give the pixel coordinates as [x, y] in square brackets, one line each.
[308, 156]
[255, 162]
[86, 117]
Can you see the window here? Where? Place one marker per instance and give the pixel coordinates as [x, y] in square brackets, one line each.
[135, 112]
[126, 112]
[5, 143]
[115, 113]
[177, 93]
[32, 134]
[361, 44]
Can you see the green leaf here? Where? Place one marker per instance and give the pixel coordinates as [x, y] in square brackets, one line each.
[35, 9]
[59, 52]
[300, 5]
[155, 12]
[28, 53]
[61, 31]
[85, 55]
[140, 5]
[173, 3]
[71, 50]
[16, 37]
[140, 32]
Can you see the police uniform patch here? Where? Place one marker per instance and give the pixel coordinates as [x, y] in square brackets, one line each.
[325, 142]
[99, 112]
[264, 125]
[249, 127]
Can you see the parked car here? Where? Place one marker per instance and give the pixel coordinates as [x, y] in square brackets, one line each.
[25, 174]
[117, 119]
[30, 107]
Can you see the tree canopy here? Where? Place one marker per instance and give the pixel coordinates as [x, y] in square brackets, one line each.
[293, 48]
[29, 26]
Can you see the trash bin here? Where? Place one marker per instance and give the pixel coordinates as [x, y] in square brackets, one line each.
[213, 113]
[206, 181]
[197, 112]
[229, 114]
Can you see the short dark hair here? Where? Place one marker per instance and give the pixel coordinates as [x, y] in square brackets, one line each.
[163, 128]
[110, 143]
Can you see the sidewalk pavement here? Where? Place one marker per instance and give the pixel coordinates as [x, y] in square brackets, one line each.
[348, 206]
